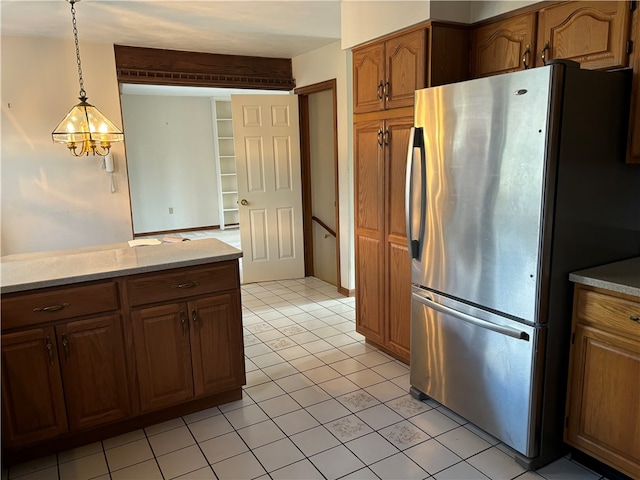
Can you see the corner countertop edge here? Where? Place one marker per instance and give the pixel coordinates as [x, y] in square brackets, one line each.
[621, 277]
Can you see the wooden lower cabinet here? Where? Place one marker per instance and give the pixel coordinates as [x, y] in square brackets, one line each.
[92, 357]
[216, 343]
[33, 406]
[383, 282]
[151, 347]
[603, 398]
[163, 356]
[64, 378]
[187, 349]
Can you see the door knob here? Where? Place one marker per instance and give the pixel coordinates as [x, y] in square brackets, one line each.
[244, 202]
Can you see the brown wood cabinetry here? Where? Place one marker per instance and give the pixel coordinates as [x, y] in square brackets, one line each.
[504, 46]
[386, 74]
[382, 262]
[187, 349]
[593, 33]
[603, 398]
[95, 359]
[84, 358]
[32, 397]
[92, 357]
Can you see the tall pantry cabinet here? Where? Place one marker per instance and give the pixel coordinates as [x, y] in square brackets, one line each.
[386, 73]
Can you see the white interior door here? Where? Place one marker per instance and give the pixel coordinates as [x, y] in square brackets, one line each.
[267, 148]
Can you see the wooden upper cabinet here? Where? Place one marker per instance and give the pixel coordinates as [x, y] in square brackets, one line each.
[386, 74]
[504, 46]
[368, 74]
[592, 33]
[405, 68]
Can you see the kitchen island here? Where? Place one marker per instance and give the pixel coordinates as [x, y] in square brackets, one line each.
[99, 341]
[603, 396]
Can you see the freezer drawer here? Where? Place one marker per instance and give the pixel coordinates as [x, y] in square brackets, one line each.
[479, 365]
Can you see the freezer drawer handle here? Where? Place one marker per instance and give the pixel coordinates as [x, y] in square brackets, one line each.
[469, 319]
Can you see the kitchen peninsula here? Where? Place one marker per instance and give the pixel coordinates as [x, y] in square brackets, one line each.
[99, 341]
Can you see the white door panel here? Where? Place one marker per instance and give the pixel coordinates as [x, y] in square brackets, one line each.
[267, 145]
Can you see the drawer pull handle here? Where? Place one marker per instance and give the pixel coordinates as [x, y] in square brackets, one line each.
[50, 349]
[51, 308]
[186, 285]
[65, 345]
[196, 320]
[634, 318]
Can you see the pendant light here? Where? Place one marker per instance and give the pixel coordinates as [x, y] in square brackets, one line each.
[85, 129]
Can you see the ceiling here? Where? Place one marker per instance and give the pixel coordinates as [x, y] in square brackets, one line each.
[282, 29]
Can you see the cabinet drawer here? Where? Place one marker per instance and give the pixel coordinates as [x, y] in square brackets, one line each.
[63, 303]
[610, 312]
[182, 283]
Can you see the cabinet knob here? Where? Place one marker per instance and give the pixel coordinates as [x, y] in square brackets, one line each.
[380, 90]
[65, 346]
[196, 320]
[543, 55]
[50, 349]
[525, 56]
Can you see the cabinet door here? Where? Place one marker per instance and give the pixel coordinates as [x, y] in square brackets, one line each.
[595, 34]
[398, 265]
[504, 46]
[604, 398]
[405, 64]
[94, 371]
[163, 356]
[369, 216]
[368, 74]
[32, 398]
[217, 350]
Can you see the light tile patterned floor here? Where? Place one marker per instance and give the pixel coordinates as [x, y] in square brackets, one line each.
[319, 404]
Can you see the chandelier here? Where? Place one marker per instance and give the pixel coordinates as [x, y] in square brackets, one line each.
[85, 129]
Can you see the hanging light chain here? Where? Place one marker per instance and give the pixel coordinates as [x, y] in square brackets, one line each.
[83, 94]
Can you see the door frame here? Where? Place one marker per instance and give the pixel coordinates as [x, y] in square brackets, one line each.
[305, 164]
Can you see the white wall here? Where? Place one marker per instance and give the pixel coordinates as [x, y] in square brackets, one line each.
[318, 66]
[365, 20]
[362, 21]
[171, 163]
[50, 199]
[487, 9]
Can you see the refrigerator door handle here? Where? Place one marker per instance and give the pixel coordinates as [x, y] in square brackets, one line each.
[416, 142]
[511, 332]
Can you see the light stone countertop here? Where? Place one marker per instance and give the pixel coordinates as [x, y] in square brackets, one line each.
[22, 272]
[622, 277]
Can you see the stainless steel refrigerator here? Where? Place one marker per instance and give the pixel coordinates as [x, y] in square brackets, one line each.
[513, 182]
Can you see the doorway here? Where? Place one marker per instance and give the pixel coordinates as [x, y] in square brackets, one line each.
[319, 163]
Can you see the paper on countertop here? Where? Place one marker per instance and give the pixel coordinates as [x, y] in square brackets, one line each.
[144, 241]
